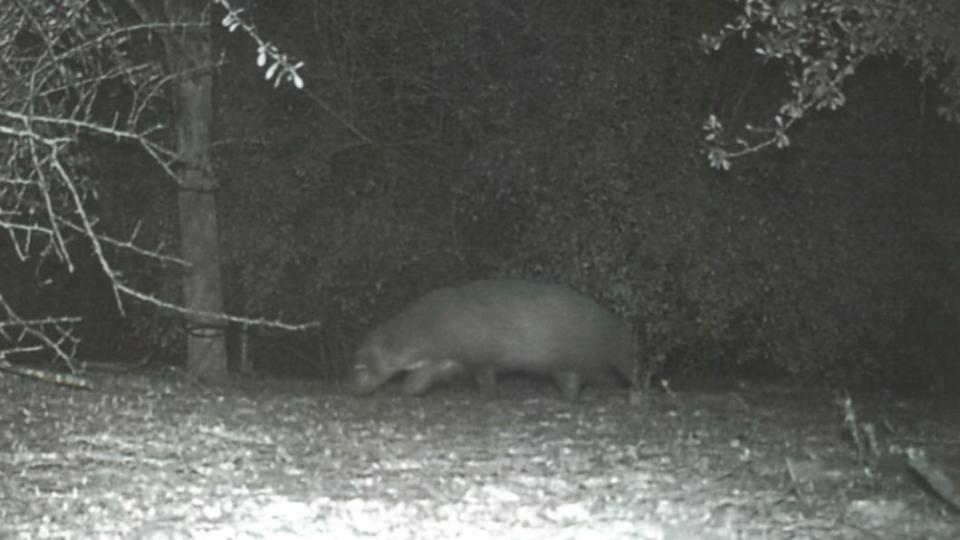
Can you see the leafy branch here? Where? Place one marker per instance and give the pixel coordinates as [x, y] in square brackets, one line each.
[821, 43]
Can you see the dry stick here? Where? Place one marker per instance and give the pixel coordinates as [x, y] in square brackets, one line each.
[161, 155]
[130, 244]
[88, 228]
[262, 322]
[794, 481]
[30, 328]
[44, 186]
[64, 379]
[934, 476]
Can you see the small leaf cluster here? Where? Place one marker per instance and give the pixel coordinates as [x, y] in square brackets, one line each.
[820, 44]
[281, 67]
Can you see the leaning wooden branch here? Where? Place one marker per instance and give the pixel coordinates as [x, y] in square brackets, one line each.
[935, 478]
[63, 379]
[225, 317]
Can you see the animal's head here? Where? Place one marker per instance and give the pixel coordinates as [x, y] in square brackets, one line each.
[378, 360]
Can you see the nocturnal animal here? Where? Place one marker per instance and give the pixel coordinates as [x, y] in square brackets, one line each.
[489, 327]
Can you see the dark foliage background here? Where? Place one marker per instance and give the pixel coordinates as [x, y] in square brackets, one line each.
[441, 140]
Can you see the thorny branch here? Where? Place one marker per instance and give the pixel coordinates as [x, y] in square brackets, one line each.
[52, 334]
[57, 60]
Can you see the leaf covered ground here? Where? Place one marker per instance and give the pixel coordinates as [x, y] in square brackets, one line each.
[163, 458]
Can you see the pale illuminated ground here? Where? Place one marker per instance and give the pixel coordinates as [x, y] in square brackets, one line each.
[158, 457]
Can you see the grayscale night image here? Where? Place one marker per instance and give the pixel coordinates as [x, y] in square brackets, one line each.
[565, 270]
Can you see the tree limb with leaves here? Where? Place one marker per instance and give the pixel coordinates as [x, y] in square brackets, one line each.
[821, 44]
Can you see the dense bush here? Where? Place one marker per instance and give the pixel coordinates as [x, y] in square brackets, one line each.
[444, 141]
